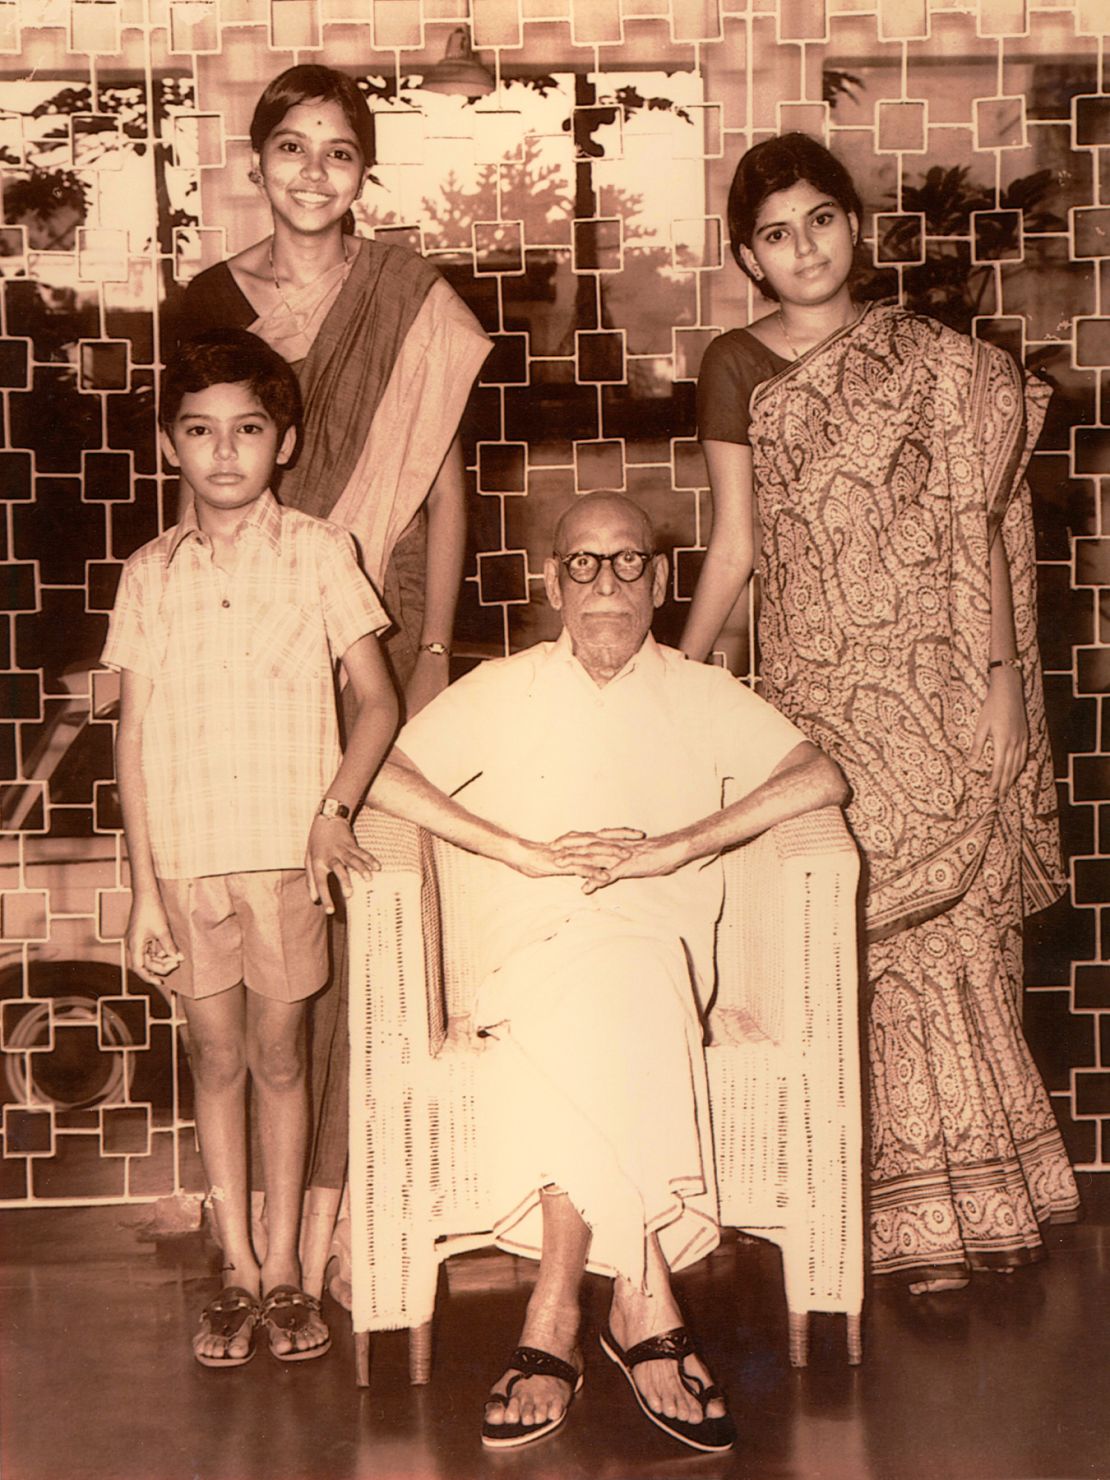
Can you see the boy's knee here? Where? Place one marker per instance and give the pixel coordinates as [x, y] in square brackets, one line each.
[216, 1063]
[278, 1065]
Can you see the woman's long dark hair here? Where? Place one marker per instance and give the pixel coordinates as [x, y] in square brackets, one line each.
[775, 165]
[311, 83]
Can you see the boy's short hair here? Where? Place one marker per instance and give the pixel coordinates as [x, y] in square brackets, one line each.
[230, 357]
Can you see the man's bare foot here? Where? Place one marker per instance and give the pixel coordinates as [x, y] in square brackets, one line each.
[633, 1317]
[541, 1399]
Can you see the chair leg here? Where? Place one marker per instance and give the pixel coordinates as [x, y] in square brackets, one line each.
[855, 1339]
[362, 1358]
[420, 1354]
[798, 1325]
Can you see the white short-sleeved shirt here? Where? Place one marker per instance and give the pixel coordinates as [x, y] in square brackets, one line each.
[240, 739]
[532, 743]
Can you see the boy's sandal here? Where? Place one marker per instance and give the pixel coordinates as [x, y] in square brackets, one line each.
[529, 1361]
[286, 1311]
[711, 1434]
[232, 1312]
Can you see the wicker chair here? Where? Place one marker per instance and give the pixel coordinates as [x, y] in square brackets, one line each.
[785, 1092]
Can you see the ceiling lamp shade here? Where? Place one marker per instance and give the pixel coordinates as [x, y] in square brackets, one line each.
[460, 72]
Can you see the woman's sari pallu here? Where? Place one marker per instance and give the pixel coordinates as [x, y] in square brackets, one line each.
[885, 461]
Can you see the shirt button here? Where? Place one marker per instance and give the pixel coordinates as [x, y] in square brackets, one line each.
[225, 602]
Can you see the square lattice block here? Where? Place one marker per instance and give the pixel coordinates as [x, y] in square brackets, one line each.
[597, 245]
[598, 465]
[195, 248]
[27, 1025]
[123, 1022]
[689, 347]
[397, 23]
[1092, 342]
[587, 124]
[20, 696]
[899, 238]
[194, 26]
[1090, 232]
[503, 578]
[696, 244]
[803, 20]
[197, 141]
[1091, 120]
[23, 914]
[600, 356]
[595, 21]
[112, 909]
[1092, 987]
[125, 1130]
[94, 26]
[498, 135]
[1092, 1092]
[996, 236]
[15, 364]
[20, 591]
[903, 20]
[12, 143]
[496, 22]
[294, 25]
[102, 255]
[24, 802]
[1090, 451]
[502, 467]
[399, 138]
[98, 143]
[101, 582]
[903, 126]
[1092, 562]
[28, 1132]
[507, 361]
[804, 118]
[106, 477]
[1007, 331]
[499, 246]
[1092, 676]
[688, 462]
[1000, 123]
[103, 364]
[1003, 18]
[17, 475]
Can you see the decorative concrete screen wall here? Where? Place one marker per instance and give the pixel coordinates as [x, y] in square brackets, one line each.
[577, 206]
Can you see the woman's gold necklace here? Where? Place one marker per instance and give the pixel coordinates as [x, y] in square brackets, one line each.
[794, 348]
[295, 313]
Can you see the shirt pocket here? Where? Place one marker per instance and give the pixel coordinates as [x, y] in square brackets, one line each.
[288, 642]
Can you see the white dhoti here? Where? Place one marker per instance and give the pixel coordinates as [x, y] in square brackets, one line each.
[597, 1086]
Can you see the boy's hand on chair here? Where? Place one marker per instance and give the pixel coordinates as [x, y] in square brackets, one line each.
[151, 949]
[332, 850]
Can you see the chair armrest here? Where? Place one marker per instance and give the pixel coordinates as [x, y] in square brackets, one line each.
[787, 933]
[394, 940]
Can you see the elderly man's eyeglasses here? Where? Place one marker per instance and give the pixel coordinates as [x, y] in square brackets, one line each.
[584, 566]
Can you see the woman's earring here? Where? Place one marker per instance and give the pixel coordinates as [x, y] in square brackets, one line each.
[255, 177]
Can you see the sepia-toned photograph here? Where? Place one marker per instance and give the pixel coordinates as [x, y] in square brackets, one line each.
[555, 840]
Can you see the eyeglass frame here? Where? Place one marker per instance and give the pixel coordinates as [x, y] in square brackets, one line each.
[646, 555]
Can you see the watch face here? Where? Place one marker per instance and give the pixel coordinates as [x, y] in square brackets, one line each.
[329, 807]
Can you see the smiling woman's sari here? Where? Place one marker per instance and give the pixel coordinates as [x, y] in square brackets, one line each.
[885, 462]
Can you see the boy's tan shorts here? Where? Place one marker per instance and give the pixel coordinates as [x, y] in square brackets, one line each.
[259, 928]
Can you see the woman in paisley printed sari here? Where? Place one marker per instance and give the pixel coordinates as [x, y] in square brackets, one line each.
[385, 353]
[877, 458]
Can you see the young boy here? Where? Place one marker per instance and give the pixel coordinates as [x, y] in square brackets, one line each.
[236, 804]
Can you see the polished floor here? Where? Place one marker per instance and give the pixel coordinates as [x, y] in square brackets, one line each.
[1009, 1381]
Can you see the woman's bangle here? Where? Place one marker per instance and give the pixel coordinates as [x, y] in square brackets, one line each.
[1005, 663]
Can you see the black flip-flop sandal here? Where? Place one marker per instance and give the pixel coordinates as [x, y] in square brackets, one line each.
[529, 1361]
[712, 1434]
[225, 1316]
[284, 1312]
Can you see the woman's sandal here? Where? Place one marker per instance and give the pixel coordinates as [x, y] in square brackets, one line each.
[226, 1316]
[712, 1434]
[285, 1312]
[529, 1361]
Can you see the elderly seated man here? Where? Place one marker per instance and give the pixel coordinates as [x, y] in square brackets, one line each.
[589, 772]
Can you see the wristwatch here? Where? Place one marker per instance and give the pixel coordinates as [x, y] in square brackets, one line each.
[440, 649]
[329, 807]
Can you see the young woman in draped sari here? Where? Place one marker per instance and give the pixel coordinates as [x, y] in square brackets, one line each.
[386, 353]
[874, 460]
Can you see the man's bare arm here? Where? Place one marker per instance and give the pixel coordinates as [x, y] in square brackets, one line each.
[404, 791]
[803, 780]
